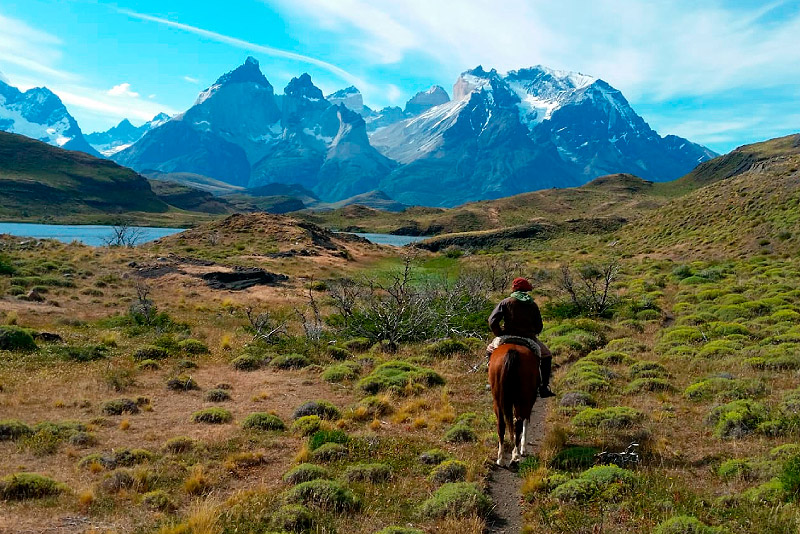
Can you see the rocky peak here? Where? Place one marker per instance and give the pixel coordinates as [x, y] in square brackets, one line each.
[471, 80]
[249, 71]
[425, 100]
[303, 87]
[350, 97]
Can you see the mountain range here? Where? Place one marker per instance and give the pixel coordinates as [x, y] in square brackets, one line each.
[499, 135]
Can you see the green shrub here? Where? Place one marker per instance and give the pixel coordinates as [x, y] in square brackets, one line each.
[723, 329]
[790, 477]
[263, 421]
[785, 451]
[290, 361]
[460, 433]
[321, 437]
[602, 480]
[193, 346]
[248, 362]
[588, 376]
[148, 365]
[179, 444]
[457, 499]
[119, 407]
[683, 524]
[608, 357]
[449, 471]
[292, 518]
[16, 338]
[376, 406]
[305, 473]
[718, 348]
[306, 425]
[648, 315]
[14, 429]
[85, 353]
[212, 416]
[372, 473]
[321, 408]
[158, 500]
[648, 384]
[400, 377]
[21, 486]
[6, 267]
[217, 395]
[359, 344]
[725, 389]
[325, 494]
[608, 418]
[446, 348]
[338, 353]
[341, 372]
[329, 452]
[646, 369]
[574, 458]
[182, 383]
[150, 352]
[737, 418]
[736, 468]
[433, 457]
[770, 493]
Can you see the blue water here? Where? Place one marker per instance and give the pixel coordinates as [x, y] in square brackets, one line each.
[393, 240]
[95, 235]
[88, 234]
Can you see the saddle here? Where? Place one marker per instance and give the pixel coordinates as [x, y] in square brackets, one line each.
[516, 340]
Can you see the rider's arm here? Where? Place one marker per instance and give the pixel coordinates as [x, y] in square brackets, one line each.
[537, 320]
[496, 318]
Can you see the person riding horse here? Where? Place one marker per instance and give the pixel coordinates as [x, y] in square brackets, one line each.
[520, 317]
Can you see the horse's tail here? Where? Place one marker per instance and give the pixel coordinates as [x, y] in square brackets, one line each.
[510, 384]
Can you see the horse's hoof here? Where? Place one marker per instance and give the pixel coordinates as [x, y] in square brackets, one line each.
[501, 463]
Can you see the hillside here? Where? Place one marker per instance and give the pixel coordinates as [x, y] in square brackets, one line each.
[38, 180]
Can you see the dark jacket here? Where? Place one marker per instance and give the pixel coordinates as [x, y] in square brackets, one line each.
[518, 319]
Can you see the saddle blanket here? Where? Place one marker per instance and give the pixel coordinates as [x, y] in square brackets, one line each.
[532, 344]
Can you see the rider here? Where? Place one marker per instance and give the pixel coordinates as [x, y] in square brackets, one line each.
[521, 317]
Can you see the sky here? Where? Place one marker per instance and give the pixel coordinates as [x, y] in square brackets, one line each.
[720, 72]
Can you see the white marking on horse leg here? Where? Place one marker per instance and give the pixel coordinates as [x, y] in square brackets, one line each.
[524, 440]
[500, 459]
[515, 456]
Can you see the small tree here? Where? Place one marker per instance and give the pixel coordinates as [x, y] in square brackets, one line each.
[590, 287]
[310, 317]
[264, 325]
[123, 234]
[143, 310]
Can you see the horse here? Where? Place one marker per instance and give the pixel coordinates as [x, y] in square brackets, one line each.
[514, 377]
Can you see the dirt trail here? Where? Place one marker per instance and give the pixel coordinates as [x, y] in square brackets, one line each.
[504, 484]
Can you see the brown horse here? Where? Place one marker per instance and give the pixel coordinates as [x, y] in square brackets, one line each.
[514, 377]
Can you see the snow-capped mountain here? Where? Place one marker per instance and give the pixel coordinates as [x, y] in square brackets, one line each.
[500, 135]
[239, 131]
[529, 129]
[123, 135]
[38, 113]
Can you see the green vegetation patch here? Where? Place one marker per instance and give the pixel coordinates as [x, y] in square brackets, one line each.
[725, 389]
[321, 437]
[613, 417]
[16, 338]
[82, 353]
[341, 372]
[212, 416]
[217, 395]
[449, 471]
[400, 377]
[447, 348]
[321, 408]
[306, 425]
[290, 361]
[263, 422]
[13, 429]
[641, 385]
[456, 500]
[400, 530]
[683, 524]
[119, 407]
[573, 458]
[607, 482]
[737, 419]
[646, 369]
[22, 486]
[304, 473]
[325, 494]
[373, 473]
[158, 500]
[182, 383]
[292, 518]
[150, 352]
[588, 376]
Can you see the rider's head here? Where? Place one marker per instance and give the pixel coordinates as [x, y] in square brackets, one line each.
[521, 284]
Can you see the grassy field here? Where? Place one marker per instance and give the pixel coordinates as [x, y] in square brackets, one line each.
[135, 397]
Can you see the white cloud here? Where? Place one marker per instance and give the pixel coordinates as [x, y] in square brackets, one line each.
[191, 80]
[104, 104]
[246, 45]
[660, 50]
[29, 49]
[123, 89]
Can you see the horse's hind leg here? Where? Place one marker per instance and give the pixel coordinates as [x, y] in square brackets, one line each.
[523, 442]
[516, 455]
[501, 432]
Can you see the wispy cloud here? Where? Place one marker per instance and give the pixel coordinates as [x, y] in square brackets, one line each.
[191, 80]
[246, 45]
[123, 89]
[104, 104]
[30, 50]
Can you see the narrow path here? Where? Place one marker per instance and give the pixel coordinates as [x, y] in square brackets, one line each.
[504, 484]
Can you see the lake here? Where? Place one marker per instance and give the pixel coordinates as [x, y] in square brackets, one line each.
[89, 234]
[95, 235]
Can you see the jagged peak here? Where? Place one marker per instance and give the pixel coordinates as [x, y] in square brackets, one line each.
[341, 93]
[248, 71]
[566, 79]
[302, 86]
[160, 117]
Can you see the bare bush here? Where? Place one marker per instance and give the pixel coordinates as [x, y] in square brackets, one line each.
[310, 317]
[590, 287]
[498, 270]
[143, 309]
[264, 326]
[123, 234]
